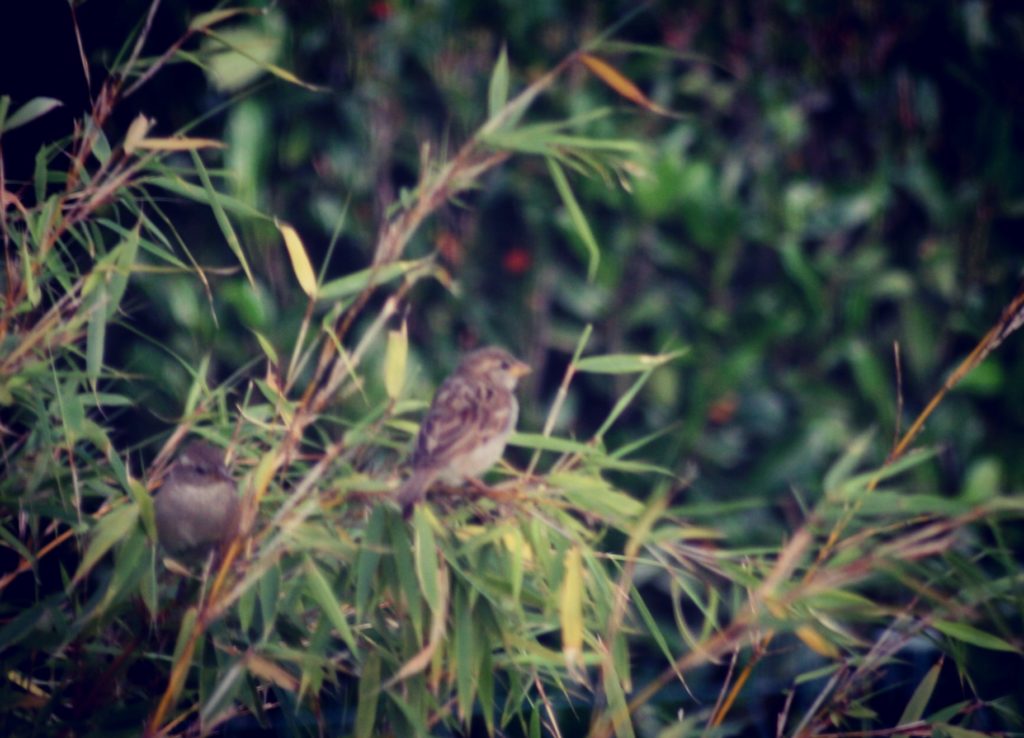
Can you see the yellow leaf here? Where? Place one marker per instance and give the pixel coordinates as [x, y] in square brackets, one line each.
[136, 132]
[178, 144]
[272, 672]
[395, 360]
[571, 607]
[300, 260]
[813, 640]
[620, 83]
[518, 545]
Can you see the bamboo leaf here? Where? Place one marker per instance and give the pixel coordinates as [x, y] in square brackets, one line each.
[405, 566]
[621, 84]
[593, 494]
[395, 358]
[466, 658]
[274, 69]
[179, 186]
[124, 255]
[271, 671]
[224, 693]
[425, 551]
[626, 363]
[369, 693]
[352, 284]
[844, 466]
[368, 559]
[95, 337]
[221, 217]
[267, 346]
[322, 593]
[618, 710]
[579, 220]
[34, 108]
[137, 131]
[570, 608]
[915, 708]
[974, 636]
[179, 143]
[301, 264]
[497, 90]
[112, 528]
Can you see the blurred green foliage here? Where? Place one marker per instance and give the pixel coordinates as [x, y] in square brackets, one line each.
[833, 181]
[833, 186]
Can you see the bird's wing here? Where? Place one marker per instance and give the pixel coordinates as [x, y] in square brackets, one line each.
[464, 414]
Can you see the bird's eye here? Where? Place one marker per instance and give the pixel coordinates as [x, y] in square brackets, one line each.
[506, 365]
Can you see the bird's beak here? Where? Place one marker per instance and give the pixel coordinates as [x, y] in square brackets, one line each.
[520, 369]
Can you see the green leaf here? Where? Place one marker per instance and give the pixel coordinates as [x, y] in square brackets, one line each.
[132, 559]
[269, 591]
[425, 552]
[353, 284]
[22, 625]
[618, 710]
[369, 693]
[579, 220]
[844, 466]
[34, 108]
[405, 566]
[123, 258]
[655, 631]
[112, 528]
[596, 496]
[485, 687]
[145, 502]
[626, 363]
[497, 90]
[466, 657]
[922, 694]
[207, 197]
[322, 593]
[241, 66]
[198, 389]
[35, 295]
[622, 403]
[95, 337]
[856, 485]
[369, 558]
[221, 217]
[188, 624]
[974, 636]
[267, 346]
[222, 696]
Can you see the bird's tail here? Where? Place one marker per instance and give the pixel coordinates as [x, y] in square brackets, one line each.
[413, 490]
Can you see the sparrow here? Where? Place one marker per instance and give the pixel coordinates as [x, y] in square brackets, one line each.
[197, 507]
[469, 421]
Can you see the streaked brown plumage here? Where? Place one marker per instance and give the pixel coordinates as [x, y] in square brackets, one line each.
[468, 424]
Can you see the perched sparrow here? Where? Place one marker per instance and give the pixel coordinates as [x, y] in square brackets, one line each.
[197, 506]
[468, 424]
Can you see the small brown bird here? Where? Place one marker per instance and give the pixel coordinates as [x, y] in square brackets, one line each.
[197, 507]
[468, 424]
